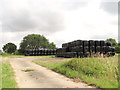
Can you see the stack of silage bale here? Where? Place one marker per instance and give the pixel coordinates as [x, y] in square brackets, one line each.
[84, 48]
[39, 52]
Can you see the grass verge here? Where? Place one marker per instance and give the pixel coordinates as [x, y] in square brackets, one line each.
[8, 80]
[101, 72]
[21, 56]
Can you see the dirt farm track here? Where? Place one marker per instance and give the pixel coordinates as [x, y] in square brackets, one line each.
[41, 77]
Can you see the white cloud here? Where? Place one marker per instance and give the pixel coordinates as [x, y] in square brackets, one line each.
[59, 20]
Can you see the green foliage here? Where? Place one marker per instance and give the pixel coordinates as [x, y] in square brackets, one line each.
[35, 41]
[9, 48]
[102, 72]
[117, 49]
[113, 41]
[17, 52]
[8, 80]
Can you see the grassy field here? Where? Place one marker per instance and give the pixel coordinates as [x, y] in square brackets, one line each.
[8, 80]
[101, 72]
[21, 56]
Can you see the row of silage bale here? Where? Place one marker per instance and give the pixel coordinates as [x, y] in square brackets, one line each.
[84, 48]
[39, 52]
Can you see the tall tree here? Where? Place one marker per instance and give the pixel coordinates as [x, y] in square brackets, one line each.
[35, 41]
[113, 41]
[9, 48]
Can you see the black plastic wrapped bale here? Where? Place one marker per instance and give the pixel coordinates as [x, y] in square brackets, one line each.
[108, 49]
[80, 54]
[70, 49]
[91, 43]
[39, 52]
[64, 45]
[70, 54]
[112, 49]
[73, 54]
[52, 51]
[79, 48]
[26, 52]
[108, 44]
[33, 52]
[64, 49]
[49, 52]
[102, 43]
[85, 49]
[45, 51]
[72, 44]
[58, 52]
[108, 54]
[85, 43]
[79, 43]
[113, 53]
[73, 49]
[55, 52]
[92, 49]
[97, 43]
[104, 48]
[86, 54]
[97, 49]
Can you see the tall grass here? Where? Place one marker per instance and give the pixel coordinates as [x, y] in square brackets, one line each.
[102, 72]
[8, 80]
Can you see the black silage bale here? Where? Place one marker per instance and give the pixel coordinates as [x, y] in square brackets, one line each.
[108, 49]
[97, 43]
[80, 54]
[112, 49]
[92, 49]
[79, 48]
[40, 51]
[91, 43]
[113, 53]
[79, 43]
[74, 43]
[64, 45]
[86, 54]
[46, 50]
[54, 51]
[98, 49]
[85, 49]
[85, 43]
[73, 49]
[102, 43]
[37, 52]
[108, 44]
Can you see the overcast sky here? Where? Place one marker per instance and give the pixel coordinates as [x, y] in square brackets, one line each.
[59, 21]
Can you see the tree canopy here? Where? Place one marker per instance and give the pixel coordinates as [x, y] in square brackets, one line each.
[113, 41]
[114, 44]
[9, 48]
[35, 41]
